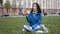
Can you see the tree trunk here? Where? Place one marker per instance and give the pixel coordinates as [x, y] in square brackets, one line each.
[7, 11]
[2, 8]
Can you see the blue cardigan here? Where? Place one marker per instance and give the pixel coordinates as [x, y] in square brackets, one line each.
[34, 20]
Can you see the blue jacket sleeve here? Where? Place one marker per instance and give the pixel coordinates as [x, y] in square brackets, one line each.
[29, 18]
[38, 19]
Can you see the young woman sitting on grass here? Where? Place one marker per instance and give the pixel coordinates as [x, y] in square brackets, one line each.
[34, 19]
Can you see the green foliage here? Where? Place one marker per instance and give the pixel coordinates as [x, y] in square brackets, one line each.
[7, 4]
[1, 1]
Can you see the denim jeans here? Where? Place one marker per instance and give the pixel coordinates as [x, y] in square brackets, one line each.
[33, 30]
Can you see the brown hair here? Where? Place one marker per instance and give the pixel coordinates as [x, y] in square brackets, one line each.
[38, 7]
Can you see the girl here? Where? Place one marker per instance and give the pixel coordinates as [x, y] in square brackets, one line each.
[34, 19]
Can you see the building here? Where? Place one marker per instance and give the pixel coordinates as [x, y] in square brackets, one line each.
[50, 6]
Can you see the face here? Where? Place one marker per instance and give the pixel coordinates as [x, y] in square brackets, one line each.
[34, 7]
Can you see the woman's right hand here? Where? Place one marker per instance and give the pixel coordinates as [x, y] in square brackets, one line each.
[30, 28]
[26, 12]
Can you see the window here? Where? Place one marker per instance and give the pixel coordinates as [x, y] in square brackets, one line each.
[28, 3]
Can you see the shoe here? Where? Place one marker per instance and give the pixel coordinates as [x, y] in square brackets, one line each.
[23, 30]
[44, 29]
[39, 31]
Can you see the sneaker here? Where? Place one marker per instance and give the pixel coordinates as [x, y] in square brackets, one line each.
[44, 29]
[23, 30]
[39, 31]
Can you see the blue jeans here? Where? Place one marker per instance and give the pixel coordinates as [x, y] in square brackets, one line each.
[33, 30]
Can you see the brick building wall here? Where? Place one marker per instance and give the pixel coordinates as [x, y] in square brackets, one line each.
[50, 6]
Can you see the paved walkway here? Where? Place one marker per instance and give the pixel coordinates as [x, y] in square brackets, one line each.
[25, 16]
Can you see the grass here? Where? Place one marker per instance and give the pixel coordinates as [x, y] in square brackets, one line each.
[14, 25]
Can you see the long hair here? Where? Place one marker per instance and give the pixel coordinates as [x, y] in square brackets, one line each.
[38, 7]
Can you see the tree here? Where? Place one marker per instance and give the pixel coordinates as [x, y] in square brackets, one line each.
[7, 5]
[1, 1]
[14, 6]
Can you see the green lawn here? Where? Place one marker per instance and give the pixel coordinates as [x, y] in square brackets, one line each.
[15, 25]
